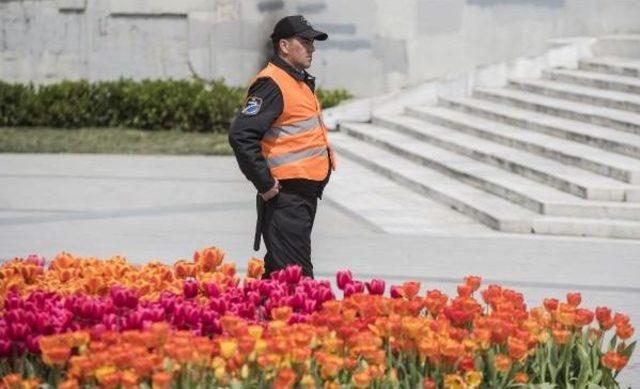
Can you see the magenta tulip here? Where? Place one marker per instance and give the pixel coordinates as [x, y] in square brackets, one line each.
[292, 274]
[375, 287]
[395, 292]
[211, 289]
[343, 277]
[190, 289]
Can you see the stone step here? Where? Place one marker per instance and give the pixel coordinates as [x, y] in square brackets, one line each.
[595, 80]
[609, 117]
[605, 163]
[603, 98]
[393, 208]
[490, 210]
[593, 135]
[611, 65]
[619, 45]
[566, 178]
[510, 186]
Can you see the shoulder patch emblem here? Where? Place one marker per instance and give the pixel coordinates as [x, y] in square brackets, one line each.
[252, 106]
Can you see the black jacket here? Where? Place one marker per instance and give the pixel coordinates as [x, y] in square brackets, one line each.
[250, 125]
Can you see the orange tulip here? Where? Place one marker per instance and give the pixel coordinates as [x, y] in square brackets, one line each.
[58, 355]
[286, 379]
[435, 301]
[282, 313]
[502, 363]
[69, 384]
[361, 379]
[308, 382]
[184, 269]
[11, 380]
[465, 290]
[161, 380]
[208, 259]
[614, 361]
[454, 381]
[561, 336]
[255, 268]
[517, 348]
[410, 289]
[473, 281]
[521, 378]
[428, 383]
[574, 299]
[473, 378]
[624, 331]
[620, 319]
[551, 304]
[605, 320]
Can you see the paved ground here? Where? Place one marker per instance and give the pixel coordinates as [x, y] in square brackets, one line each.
[147, 207]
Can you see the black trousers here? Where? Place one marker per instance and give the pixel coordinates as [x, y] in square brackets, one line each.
[286, 230]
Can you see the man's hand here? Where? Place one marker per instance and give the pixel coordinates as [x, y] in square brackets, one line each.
[271, 193]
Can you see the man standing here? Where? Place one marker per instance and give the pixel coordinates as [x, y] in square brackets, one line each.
[281, 146]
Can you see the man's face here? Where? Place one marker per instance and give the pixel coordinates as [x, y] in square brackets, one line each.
[298, 51]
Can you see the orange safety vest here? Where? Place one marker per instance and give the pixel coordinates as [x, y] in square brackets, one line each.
[296, 145]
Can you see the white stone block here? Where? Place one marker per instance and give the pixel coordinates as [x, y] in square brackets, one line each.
[159, 7]
[71, 5]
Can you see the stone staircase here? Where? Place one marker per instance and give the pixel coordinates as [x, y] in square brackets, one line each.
[558, 155]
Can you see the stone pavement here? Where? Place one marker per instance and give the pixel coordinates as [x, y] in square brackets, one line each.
[163, 207]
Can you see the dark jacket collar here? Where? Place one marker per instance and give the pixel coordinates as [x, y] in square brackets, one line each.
[293, 72]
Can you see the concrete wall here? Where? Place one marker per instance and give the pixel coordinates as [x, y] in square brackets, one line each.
[375, 46]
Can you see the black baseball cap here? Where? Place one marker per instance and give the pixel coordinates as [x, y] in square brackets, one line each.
[296, 25]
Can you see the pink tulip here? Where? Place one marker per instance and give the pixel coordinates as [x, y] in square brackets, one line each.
[277, 275]
[5, 348]
[17, 331]
[36, 260]
[292, 274]
[118, 296]
[218, 305]
[325, 294]
[352, 288]
[33, 344]
[296, 301]
[310, 306]
[375, 287]
[343, 277]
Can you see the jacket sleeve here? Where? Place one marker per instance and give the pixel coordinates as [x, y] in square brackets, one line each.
[263, 106]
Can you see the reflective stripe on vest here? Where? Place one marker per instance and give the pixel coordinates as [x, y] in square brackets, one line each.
[296, 145]
[293, 128]
[291, 157]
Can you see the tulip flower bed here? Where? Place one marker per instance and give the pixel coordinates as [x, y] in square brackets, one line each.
[85, 322]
